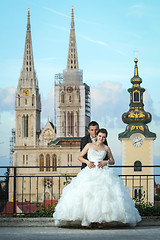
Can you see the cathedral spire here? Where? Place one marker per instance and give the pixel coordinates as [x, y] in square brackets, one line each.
[72, 62]
[28, 63]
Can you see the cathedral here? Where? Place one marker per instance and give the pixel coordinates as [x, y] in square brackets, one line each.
[54, 145]
[45, 156]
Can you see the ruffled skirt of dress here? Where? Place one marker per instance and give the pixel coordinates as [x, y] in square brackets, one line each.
[96, 195]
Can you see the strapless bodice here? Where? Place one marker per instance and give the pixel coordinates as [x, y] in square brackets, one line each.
[96, 156]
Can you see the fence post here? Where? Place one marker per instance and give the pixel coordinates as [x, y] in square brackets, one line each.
[14, 191]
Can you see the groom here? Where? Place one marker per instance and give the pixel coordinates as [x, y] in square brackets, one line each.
[93, 128]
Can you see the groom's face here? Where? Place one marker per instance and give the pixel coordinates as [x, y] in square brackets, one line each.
[93, 131]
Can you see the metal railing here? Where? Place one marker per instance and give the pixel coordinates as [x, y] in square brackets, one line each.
[22, 199]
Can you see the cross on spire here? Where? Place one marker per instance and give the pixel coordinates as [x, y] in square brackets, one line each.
[135, 51]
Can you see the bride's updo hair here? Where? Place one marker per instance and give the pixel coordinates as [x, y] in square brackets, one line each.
[102, 130]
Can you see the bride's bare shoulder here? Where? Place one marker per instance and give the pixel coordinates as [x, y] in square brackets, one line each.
[106, 148]
[88, 145]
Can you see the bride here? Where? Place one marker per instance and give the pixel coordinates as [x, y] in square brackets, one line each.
[96, 194]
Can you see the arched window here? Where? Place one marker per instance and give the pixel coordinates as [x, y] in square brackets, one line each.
[137, 192]
[25, 126]
[33, 100]
[136, 96]
[48, 162]
[41, 162]
[72, 123]
[18, 101]
[137, 166]
[54, 162]
[62, 98]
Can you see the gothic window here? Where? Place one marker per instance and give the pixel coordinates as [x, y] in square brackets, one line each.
[137, 166]
[71, 61]
[25, 125]
[69, 159]
[136, 96]
[41, 162]
[54, 162]
[27, 69]
[30, 63]
[32, 100]
[71, 66]
[72, 123]
[48, 162]
[18, 100]
[26, 159]
[23, 159]
[25, 101]
[69, 123]
[62, 98]
[74, 66]
[27, 63]
[30, 69]
[70, 98]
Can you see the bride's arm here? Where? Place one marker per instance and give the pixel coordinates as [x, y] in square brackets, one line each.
[83, 160]
[110, 161]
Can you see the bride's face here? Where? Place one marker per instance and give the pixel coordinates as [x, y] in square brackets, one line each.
[101, 137]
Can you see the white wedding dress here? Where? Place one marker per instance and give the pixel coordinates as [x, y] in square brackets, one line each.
[96, 195]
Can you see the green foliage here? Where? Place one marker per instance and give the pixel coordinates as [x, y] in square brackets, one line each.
[67, 180]
[41, 211]
[144, 208]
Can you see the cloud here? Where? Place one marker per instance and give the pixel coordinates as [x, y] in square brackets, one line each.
[137, 10]
[7, 99]
[99, 42]
[48, 106]
[109, 101]
[67, 16]
[57, 12]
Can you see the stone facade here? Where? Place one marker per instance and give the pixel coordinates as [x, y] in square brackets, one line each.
[41, 153]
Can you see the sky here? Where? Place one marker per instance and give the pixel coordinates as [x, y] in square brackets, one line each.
[107, 33]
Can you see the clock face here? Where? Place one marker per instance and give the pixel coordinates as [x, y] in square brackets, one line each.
[69, 89]
[137, 141]
[25, 92]
[48, 132]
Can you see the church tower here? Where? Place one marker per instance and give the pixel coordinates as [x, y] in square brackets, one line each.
[27, 101]
[72, 96]
[137, 143]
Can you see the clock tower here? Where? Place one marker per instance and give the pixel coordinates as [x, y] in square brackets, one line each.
[137, 143]
[27, 101]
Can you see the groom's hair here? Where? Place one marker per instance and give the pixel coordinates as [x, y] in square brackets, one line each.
[102, 130]
[93, 123]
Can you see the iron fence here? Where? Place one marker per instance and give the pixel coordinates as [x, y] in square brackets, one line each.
[24, 191]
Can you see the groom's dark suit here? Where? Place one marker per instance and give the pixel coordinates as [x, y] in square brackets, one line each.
[84, 141]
